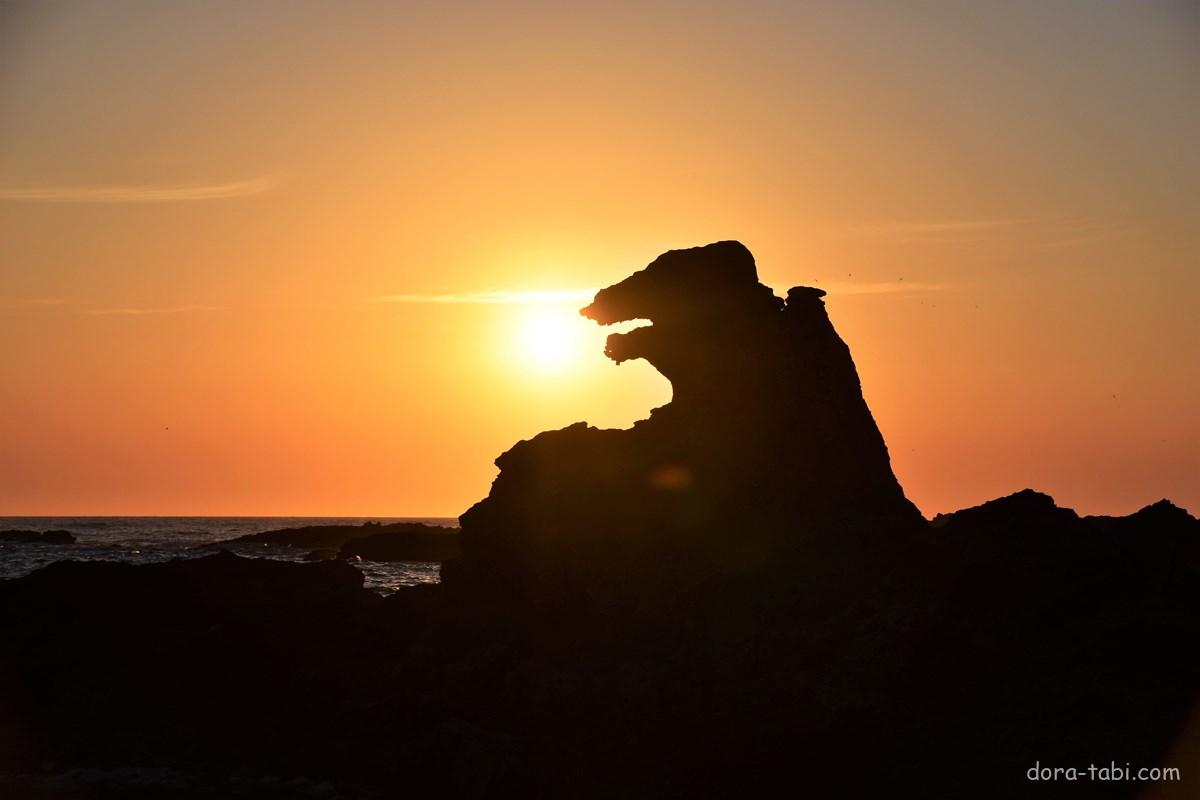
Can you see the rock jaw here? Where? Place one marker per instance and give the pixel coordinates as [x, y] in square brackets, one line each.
[767, 441]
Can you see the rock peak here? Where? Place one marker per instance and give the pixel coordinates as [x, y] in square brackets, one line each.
[798, 294]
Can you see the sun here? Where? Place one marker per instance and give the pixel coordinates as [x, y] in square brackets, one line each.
[548, 339]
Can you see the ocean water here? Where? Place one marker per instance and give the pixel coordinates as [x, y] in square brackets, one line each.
[144, 540]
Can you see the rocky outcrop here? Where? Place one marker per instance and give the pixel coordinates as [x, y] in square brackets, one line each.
[396, 541]
[1021, 510]
[37, 537]
[766, 454]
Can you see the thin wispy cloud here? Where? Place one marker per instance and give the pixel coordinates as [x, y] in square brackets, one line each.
[136, 193]
[934, 231]
[37, 301]
[1082, 233]
[494, 297]
[137, 312]
[1077, 241]
[942, 226]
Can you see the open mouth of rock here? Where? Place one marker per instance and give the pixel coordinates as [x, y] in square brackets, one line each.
[632, 338]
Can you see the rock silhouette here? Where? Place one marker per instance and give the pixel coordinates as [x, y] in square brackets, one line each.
[731, 598]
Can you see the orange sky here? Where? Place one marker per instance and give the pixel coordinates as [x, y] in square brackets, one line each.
[243, 245]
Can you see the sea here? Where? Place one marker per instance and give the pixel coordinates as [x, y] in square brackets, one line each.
[146, 540]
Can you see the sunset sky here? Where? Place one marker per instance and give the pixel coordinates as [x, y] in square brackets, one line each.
[307, 258]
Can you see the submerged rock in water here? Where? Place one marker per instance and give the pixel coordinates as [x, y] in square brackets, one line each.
[37, 537]
[321, 554]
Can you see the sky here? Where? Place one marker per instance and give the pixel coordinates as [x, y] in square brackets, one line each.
[300, 258]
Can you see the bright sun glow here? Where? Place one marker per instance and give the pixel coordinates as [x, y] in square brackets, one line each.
[548, 338]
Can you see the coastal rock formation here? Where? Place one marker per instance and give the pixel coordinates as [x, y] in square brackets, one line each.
[731, 597]
[766, 453]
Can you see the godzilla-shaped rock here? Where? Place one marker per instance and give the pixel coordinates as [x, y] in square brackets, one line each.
[766, 452]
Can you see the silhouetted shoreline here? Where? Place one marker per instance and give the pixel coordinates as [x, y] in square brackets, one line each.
[400, 555]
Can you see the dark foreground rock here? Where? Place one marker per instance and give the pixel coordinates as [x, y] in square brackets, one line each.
[37, 537]
[635, 616]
